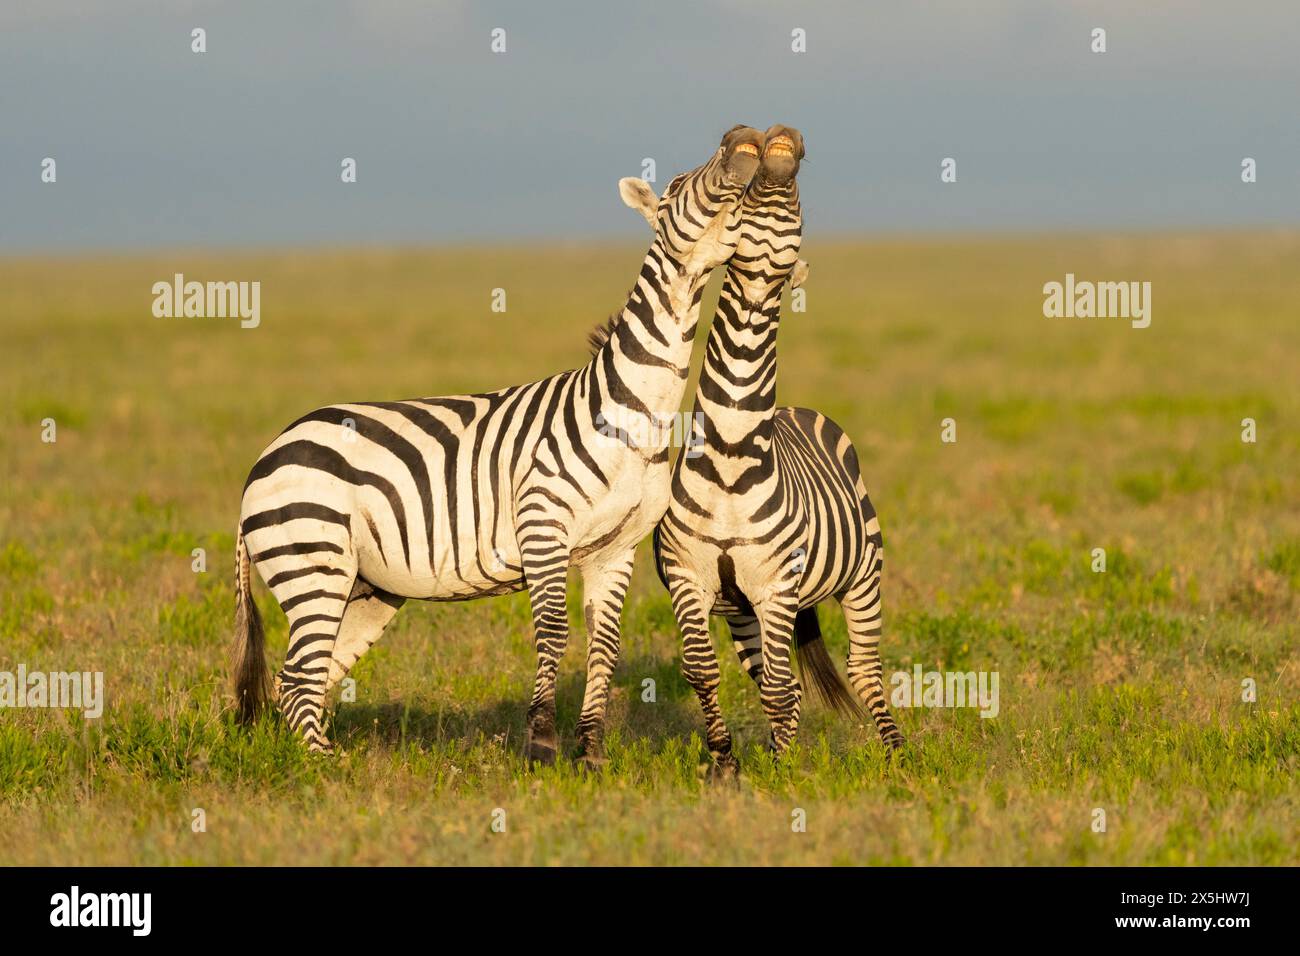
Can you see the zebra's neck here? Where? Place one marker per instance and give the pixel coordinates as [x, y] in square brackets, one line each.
[643, 366]
[735, 401]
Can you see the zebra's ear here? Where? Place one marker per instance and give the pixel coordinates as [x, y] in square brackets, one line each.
[800, 274]
[636, 192]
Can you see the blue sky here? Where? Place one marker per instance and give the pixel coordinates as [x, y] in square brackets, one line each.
[241, 145]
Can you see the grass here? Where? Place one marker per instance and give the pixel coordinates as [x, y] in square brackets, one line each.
[1120, 691]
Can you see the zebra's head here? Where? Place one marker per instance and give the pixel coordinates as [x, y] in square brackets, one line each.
[697, 220]
[783, 151]
[767, 249]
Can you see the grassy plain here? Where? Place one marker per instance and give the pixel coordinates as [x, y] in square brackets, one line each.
[1120, 691]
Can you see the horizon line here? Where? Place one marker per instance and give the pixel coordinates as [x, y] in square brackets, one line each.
[1011, 234]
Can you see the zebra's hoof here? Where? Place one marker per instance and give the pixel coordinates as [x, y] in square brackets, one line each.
[724, 769]
[591, 750]
[592, 762]
[894, 748]
[540, 750]
[778, 748]
[543, 741]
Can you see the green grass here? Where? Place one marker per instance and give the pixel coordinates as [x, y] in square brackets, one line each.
[1119, 690]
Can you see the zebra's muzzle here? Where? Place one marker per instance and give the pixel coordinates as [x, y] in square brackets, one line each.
[782, 152]
[742, 150]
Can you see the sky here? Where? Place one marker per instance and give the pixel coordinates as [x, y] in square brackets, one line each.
[158, 146]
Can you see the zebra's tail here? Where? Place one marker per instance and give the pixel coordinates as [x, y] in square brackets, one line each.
[252, 679]
[816, 665]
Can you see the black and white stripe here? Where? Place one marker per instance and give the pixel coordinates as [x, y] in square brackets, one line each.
[770, 516]
[356, 508]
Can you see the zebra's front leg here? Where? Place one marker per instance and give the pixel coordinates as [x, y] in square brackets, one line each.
[547, 592]
[604, 589]
[779, 688]
[691, 606]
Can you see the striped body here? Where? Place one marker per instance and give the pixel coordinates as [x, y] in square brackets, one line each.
[430, 498]
[355, 508]
[806, 525]
[770, 515]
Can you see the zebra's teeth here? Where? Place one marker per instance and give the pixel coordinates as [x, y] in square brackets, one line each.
[749, 148]
[781, 146]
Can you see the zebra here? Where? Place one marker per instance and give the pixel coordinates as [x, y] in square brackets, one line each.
[770, 516]
[356, 508]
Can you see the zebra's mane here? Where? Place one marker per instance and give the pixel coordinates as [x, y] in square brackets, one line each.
[601, 334]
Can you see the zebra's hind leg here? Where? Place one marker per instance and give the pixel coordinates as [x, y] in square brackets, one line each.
[314, 600]
[862, 615]
[604, 588]
[747, 638]
[367, 614]
[691, 606]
